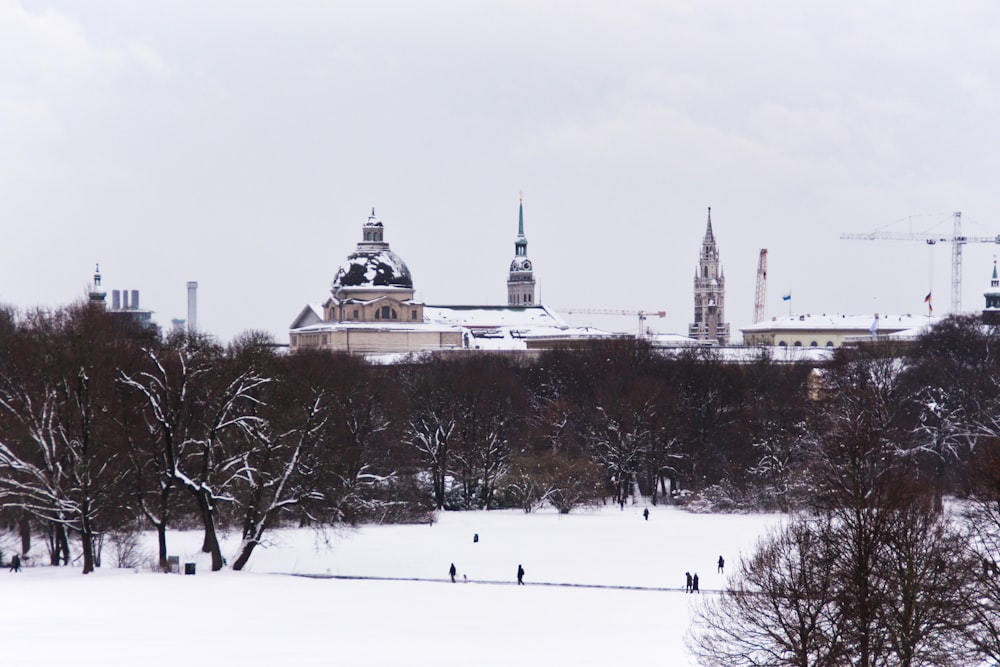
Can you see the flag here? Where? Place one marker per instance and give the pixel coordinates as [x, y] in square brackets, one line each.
[927, 300]
[787, 297]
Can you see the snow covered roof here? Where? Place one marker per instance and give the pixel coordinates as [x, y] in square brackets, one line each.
[476, 317]
[373, 268]
[384, 325]
[842, 323]
[311, 314]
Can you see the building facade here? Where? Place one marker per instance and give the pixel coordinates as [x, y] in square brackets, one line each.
[709, 294]
[371, 306]
[521, 277]
[830, 331]
[991, 313]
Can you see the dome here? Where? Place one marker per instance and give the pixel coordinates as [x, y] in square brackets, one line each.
[373, 268]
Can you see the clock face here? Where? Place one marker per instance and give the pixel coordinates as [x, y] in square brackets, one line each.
[527, 265]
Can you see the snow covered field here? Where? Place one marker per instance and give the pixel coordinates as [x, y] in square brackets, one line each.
[264, 617]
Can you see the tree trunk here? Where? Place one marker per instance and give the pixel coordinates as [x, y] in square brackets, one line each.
[161, 539]
[87, 544]
[24, 526]
[211, 542]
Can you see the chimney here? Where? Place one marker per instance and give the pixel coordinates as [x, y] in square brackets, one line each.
[116, 299]
[135, 299]
[192, 318]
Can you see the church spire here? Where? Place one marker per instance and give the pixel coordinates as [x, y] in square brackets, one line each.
[709, 293]
[520, 217]
[521, 277]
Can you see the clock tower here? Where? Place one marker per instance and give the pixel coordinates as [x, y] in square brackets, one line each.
[709, 294]
[521, 278]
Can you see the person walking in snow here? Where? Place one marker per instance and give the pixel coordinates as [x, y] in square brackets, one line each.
[687, 585]
[451, 571]
[694, 583]
[722, 565]
[15, 563]
[645, 514]
[520, 575]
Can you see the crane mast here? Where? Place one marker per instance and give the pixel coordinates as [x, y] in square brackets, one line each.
[760, 296]
[957, 240]
[642, 314]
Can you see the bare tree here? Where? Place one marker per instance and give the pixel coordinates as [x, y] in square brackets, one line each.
[781, 609]
[432, 420]
[63, 460]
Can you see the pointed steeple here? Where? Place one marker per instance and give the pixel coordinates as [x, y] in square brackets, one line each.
[995, 282]
[709, 236]
[96, 294]
[520, 278]
[520, 217]
[521, 244]
[709, 293]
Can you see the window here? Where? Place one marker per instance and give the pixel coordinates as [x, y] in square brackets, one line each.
[413, 314]
[829, 343]
[355, 313]
[798, 343]
[814, 344]
[782, 344]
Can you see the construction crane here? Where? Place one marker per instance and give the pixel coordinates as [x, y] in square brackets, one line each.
[956, 240]
[641, 314]
[760, 297]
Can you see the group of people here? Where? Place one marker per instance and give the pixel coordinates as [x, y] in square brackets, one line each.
[452, 572]
[691, 581]
[690, 586]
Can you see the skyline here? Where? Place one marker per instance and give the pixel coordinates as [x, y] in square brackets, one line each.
[242, 145]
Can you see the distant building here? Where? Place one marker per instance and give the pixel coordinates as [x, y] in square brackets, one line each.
[709, 294]
[991, 314]
[372, 311]
[521, 277]
[121, 303]
[371, 306]
[96, 293]
[832, 331]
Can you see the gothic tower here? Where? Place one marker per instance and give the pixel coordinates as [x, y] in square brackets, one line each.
[521, 279]
[709, 294]
[991, 314]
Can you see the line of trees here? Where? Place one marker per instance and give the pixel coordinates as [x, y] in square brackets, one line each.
[106, 427]
[875, 568]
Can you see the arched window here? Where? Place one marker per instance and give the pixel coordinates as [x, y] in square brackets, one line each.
[814, 344]
[829, 343]
[782, 344]
[798, 343]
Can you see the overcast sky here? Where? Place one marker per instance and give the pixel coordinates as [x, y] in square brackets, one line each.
[242, 144]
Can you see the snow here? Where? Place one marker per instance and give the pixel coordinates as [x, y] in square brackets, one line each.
[494, 316]
[843, 322]
[266, 616]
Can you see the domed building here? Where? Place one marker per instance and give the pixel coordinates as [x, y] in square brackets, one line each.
[373, 284]
[371, 306]
[371, 310]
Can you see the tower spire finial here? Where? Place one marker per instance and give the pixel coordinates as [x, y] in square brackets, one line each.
[520, 215]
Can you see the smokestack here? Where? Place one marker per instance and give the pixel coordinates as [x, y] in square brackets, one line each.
[192, 320]
[124, 299]
[116, 299]
[135, 299]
